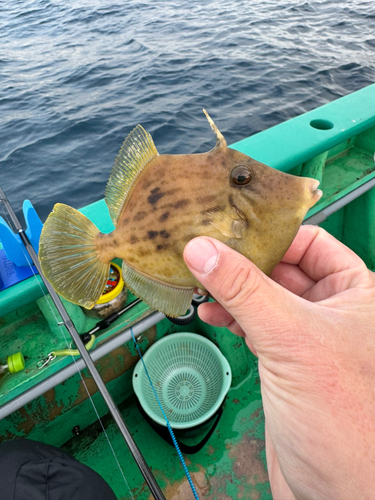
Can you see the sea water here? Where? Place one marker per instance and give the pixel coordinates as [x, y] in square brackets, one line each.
[76, 77]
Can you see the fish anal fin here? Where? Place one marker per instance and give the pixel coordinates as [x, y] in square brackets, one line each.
[137, 150]
[170, 300]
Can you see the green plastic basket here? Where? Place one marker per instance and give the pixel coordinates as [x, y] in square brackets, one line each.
[190, 376]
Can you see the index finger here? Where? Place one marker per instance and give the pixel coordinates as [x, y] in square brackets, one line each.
[319, 254]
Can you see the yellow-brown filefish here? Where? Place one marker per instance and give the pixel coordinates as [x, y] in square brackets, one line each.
[160, 202]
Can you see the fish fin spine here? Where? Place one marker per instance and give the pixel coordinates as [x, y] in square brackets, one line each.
[68, 256]
[170, 300]
[220, 140]
[137, 150]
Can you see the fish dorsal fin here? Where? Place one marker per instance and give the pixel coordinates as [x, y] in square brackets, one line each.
[137, 150]
[220, 140]
[170, 300]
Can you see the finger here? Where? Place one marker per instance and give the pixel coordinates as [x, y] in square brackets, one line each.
[319, 254]
[292, 278]
[262, 308]
[214, 314]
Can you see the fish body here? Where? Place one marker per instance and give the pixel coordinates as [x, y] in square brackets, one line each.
[160, 202]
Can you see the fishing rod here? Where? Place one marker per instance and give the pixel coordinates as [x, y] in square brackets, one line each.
[106, 322]
[133, 448]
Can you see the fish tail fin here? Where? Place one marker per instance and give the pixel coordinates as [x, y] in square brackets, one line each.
[68, 256]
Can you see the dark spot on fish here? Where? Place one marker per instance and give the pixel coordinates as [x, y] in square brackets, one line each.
[164, 246]
[133, 239]
[145, 184]
[115, 242]
[175, 229]
[164, 234]
[182, 203]
[164, 216]
[155, 196]
[139, 216]
[230, 199]
[206, 199]
[125, 222]
[205, 222]
[152, 234]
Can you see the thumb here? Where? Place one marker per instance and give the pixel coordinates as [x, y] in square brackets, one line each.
[268, 314]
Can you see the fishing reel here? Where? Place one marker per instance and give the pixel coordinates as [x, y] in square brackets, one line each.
[191, 313]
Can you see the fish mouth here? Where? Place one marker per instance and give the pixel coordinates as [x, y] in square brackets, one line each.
[315, 193]
[318, 193]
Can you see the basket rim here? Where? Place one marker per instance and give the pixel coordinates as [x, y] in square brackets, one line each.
[139, 375]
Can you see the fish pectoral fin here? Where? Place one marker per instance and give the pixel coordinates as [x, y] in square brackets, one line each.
[238, 226]
[227, 225]
[137, 150]
[170, 300]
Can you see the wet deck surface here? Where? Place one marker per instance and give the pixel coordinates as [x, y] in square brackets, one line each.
[230, 466]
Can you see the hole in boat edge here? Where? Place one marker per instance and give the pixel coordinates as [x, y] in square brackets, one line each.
[321, 124]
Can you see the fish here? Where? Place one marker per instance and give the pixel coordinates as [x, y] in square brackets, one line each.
[158, 203]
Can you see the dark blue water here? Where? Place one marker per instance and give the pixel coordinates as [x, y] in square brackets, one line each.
[76, 77]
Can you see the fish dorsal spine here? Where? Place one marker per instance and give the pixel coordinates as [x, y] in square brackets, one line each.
[220, 140]
[137, 150]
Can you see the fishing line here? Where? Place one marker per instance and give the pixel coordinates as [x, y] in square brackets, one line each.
[167, 421]
[69, 351]
[141, 463]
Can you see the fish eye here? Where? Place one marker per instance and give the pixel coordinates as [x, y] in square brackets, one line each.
[241, 175]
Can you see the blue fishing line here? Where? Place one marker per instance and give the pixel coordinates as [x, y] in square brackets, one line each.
[167, 422]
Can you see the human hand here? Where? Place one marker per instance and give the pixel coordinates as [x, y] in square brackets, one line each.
[312, 326]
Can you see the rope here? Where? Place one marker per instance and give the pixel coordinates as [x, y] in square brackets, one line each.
[175, 442]
[74, 352]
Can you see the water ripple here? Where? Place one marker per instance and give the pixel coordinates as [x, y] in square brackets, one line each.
[76, 78]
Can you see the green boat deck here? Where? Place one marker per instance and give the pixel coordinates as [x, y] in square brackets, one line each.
[335, 144]
[231, 466]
